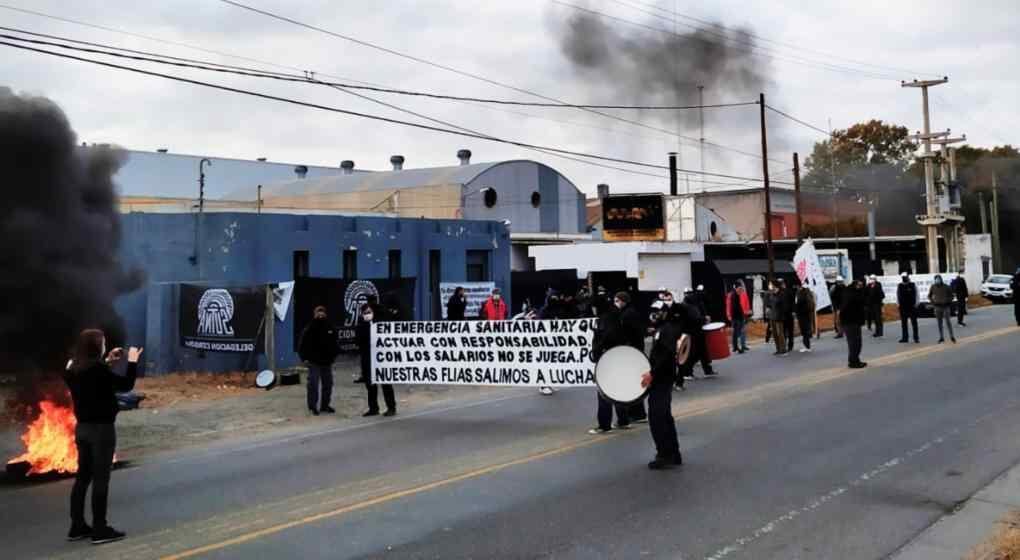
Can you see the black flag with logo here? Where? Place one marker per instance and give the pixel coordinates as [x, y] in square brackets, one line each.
[216, 319]
[343, 300]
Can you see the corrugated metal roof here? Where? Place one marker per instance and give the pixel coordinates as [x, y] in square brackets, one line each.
[380, 181]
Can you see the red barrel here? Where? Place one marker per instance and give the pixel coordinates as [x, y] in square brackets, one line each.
[716, 345]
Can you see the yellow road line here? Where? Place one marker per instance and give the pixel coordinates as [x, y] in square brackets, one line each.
[715, 404]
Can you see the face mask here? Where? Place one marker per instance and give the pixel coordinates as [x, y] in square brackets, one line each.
[496, 297]
[619, 304]
[368, 317]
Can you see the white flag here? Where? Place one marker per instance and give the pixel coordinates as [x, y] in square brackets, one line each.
[282, 294]
[809, 271]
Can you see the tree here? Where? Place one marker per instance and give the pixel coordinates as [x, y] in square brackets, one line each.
[843, 157]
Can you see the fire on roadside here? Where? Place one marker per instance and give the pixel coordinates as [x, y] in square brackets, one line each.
[49, 441]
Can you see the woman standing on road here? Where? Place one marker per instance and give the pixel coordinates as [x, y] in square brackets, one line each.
[456, 306]
[93, 388]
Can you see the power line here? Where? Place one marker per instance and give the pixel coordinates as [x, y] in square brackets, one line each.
[366, 115]
[255, 73]
[749, 47]
[796, 120]
[897, 71]
[367, 44]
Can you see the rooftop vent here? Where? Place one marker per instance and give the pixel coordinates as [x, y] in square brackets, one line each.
[347, 166]
[397, 162]
[603, 190]
[260, 159]
[162, 150]
[464, 156]
[301, 171]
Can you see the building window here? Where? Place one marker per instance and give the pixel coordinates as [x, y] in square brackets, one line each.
[394, 260]
[536, 199]
[489, 196]
[478, 266]
[350, 264]
[300, 264]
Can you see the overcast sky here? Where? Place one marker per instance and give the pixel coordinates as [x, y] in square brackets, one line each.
[518, 43]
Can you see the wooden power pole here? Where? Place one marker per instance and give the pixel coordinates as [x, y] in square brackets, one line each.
[796, 193]
[768, 196]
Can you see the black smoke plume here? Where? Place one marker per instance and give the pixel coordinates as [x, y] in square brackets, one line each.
[59, 237]
[665, 68]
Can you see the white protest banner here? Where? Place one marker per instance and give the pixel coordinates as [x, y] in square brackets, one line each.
[476, 293]
[809, 271]
[922, 281]
[509, 353]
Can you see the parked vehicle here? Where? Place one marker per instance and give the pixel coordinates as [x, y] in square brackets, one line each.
[996, 288]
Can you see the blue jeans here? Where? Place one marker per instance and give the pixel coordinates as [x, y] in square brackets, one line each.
[317, 375]
[739, 334]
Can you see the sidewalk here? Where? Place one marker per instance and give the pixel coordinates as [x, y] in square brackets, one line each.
[956, 535]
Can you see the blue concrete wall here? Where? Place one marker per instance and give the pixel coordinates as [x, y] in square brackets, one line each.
[243, 249]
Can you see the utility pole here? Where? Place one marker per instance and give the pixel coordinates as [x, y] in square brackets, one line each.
[835, 191]
[984, 216]
[996, 248]
[269, 325]
[796, 194]
[701, 137]
[930, 220]
[768, 199]
[200, 221]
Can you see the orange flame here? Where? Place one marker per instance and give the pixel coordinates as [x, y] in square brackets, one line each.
[50, 441]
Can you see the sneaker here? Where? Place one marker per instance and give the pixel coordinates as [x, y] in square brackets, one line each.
[106, 534]
[661, 464]
[545, 390]
[599, 431]
[679, 459]
[802, 350]
[623, 427]
[641, 420]
[745, 349]
[710, 373]
[917, 341]
[390, 412]
[858, 365]
[79, 532]
[953, 338]
[314, 412]
[370, 413]
[941, 340]
[904, 341]
[329, 410]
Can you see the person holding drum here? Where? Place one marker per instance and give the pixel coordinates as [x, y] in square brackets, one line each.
[670, 347]
[609, 334]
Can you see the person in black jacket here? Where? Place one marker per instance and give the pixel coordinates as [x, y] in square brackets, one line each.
[959, 287]
[852, 313]
[609, 334]
[876, 301]
[906, 298]
[659, 381]
[93, 386]
[1014, 285]
[633, 325]
[836, 296]
[318, 347]
[456, 305]
[364, 336]
[789, 295]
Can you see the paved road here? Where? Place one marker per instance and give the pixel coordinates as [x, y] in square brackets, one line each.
[790, 457]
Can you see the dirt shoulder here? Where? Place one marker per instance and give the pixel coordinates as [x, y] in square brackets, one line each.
[187, 409]
[1003, 543]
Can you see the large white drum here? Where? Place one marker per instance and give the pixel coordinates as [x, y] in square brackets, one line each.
[618, 374]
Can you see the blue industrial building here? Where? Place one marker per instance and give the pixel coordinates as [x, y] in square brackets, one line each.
[247, 249]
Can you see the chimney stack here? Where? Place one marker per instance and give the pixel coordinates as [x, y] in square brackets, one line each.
[464, 156]
[301, 171]
[347, 166]
[672, 174]
[603, 190]
[398, 162]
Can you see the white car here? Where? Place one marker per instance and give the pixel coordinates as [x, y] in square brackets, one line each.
[997, 287]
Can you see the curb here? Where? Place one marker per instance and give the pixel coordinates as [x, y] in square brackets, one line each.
[956, 534]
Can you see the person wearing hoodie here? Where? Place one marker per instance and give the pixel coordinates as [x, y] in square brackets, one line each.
[941, 297]
[836, 296]
[659, 381]
[1014, 285]
[609, 333]
[318, 347]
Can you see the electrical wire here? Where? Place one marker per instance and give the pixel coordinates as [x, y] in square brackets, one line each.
[366, 115]
[250, 72]
[367, 44]
[796, 120]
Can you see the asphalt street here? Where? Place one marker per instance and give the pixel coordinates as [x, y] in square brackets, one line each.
[785, 457]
